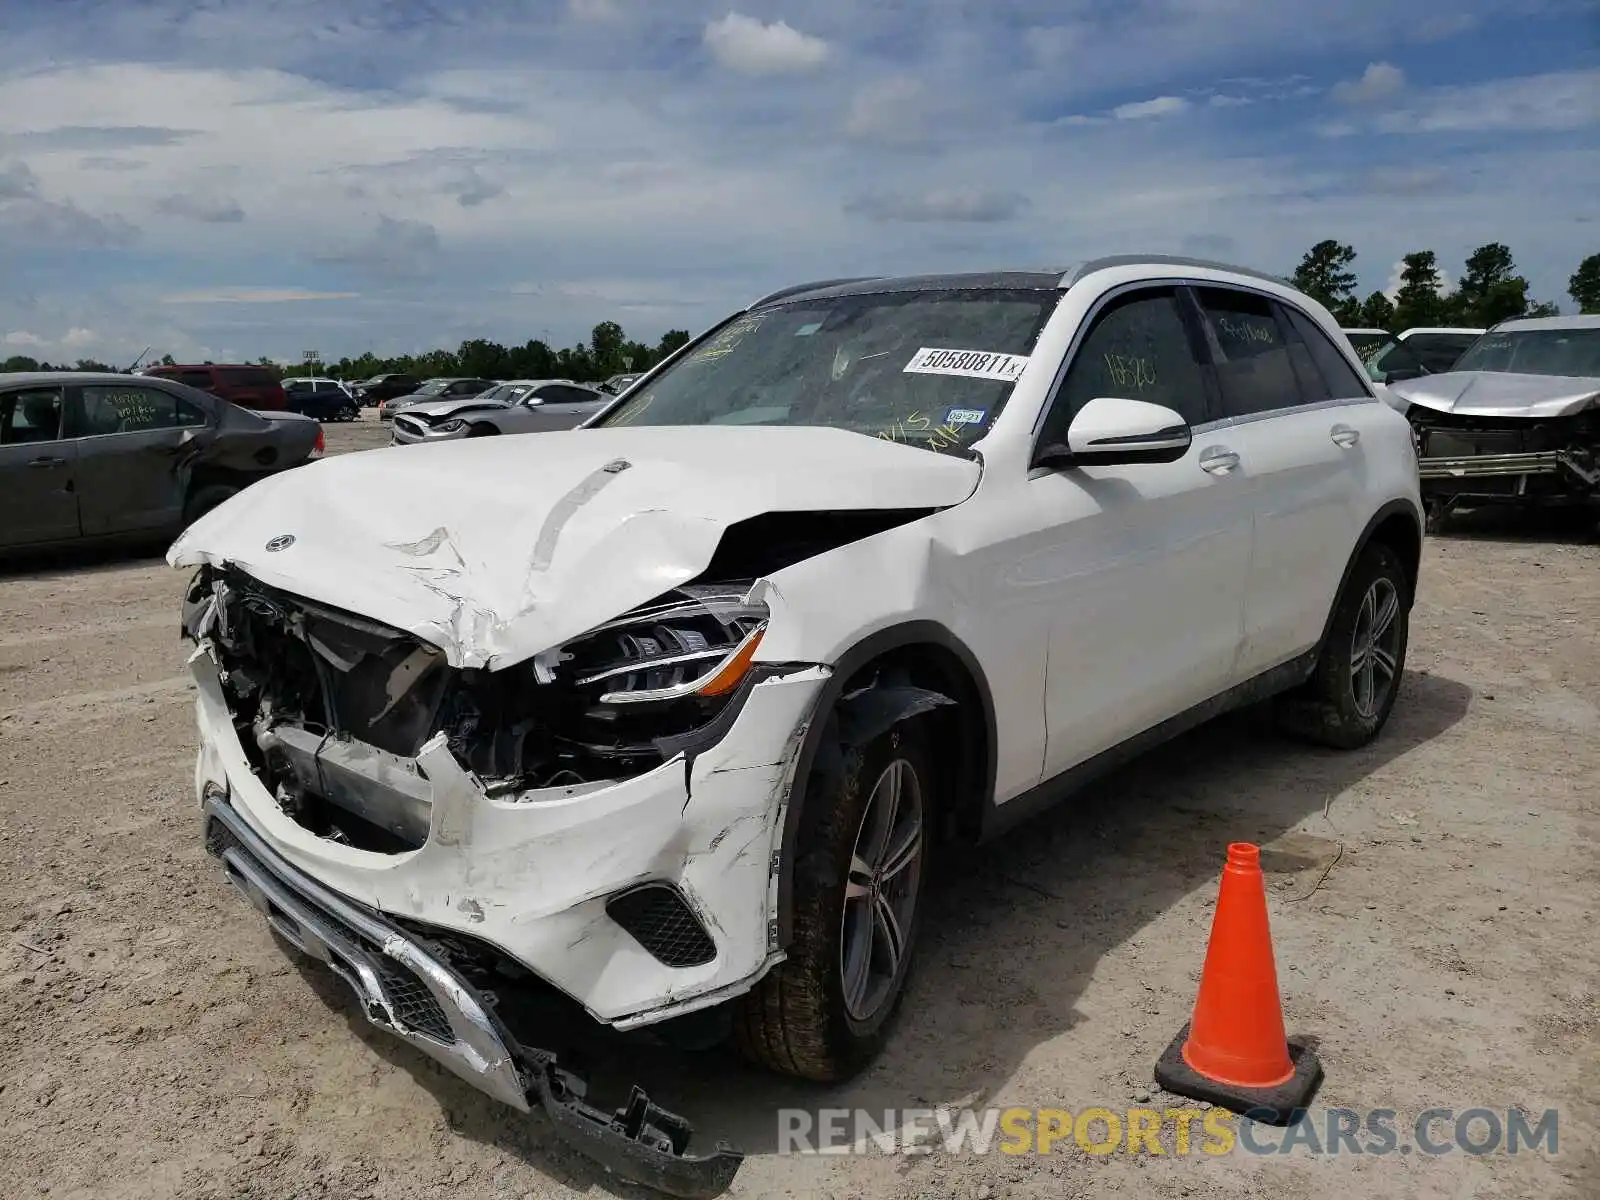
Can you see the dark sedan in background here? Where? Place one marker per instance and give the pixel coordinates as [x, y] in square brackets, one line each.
[324, 399]
[101, 457]
[379, 388]
[533, 406]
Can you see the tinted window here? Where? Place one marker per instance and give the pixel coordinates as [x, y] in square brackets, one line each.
[1337, 373]
[1137, 349]
[135, 410]
[198, 379]
[250, 377]
[1437, 352]
[1250, 352]
[567, 395]
[30, 416]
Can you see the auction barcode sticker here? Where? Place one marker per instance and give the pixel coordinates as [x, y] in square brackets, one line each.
[975, 364]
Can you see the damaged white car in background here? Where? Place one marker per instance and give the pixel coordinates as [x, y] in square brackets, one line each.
[672, 714]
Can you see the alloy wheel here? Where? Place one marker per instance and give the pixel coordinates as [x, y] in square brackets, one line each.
[881, 893]
[1375, 647]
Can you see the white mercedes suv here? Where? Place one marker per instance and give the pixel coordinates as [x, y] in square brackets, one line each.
[676, 712]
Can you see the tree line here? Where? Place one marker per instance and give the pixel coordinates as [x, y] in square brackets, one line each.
[608, 352]
[1490, 290]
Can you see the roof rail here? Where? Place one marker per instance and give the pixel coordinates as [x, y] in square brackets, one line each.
[815, 286]
[1080, 270]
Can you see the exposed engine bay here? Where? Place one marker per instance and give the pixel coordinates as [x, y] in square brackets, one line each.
[1507, 459]
[333, 708]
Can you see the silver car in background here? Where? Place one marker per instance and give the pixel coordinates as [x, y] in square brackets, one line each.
[520, 406]
[1515, 421]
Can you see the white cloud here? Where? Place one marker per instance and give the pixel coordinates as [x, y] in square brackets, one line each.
[1161, 106]
[603, 11]
[1221, 100]
[963, 205]
[753, 47]
[214, 210]
[21, 339]
[1379, 82]
[1558, 101]
[79, 338]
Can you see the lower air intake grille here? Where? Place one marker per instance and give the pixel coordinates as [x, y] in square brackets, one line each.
[659, 919]
[413, 1003]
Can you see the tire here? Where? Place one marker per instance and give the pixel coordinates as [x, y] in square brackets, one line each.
[203, 500]
[482, 431]
[798, 1021]
[1347, 701]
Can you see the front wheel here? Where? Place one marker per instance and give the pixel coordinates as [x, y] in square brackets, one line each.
[825, 1011]
[1352, 691]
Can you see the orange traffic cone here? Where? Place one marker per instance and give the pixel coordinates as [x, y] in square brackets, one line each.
[1233, 1051]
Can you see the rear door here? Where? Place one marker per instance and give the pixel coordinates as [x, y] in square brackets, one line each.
[133, 448]
[250, 387]
[38, 494]
[1296, 411]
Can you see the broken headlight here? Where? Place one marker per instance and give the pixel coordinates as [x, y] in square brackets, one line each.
[697, 642]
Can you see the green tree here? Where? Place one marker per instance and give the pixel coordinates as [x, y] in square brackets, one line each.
[1490, 290]
[20, 362]
[92, 364]
[671, 340]
[1421, 299]
[606, 349]
[1324, 275]
[1377, 313]
[1584, 286]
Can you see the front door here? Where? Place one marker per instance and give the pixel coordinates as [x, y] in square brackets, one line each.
[38, 496]
[1143, 566]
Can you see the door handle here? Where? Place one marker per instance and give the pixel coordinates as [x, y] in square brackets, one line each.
[1219, 460]
[47, 462]
[1344, 436]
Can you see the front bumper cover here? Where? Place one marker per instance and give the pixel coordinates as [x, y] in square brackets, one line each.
[411, 992]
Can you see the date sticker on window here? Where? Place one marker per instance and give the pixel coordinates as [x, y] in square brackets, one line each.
[965, 416]
[974, 364]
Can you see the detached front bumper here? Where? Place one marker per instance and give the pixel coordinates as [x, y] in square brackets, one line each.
[1509, 475]
[412, 993]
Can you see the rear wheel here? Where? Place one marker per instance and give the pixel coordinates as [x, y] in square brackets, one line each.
[825, 1011]
[1350, 695]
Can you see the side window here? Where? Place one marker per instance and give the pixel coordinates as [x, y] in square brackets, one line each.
[568, 395]
[1313, 388]
[135, 410]
[1137, 349]
[1336, 371]
[1438, 352]
[30, 416]
[1250, 352]
[197, 379]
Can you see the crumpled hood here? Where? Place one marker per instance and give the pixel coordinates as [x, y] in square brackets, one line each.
[494, 549]
[449, 406]
[1499, 394]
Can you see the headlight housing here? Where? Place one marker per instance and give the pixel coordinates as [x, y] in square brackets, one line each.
[697, 643]
[452, 426]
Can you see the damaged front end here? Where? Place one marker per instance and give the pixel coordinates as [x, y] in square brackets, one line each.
[1472, 459]
[356, 734]
[334, 709]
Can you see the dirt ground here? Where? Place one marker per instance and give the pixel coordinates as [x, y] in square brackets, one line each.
[1434, 902]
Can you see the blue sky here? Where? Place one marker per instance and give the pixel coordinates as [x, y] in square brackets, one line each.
[226, 179]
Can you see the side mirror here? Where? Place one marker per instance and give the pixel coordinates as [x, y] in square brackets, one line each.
[1111, 432]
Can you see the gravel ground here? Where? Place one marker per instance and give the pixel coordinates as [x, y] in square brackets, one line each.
[1434, 900]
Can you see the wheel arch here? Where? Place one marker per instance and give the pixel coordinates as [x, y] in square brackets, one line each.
[1398, 525]
[935, 659]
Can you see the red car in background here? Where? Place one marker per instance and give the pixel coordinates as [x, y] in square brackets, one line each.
[242, 384]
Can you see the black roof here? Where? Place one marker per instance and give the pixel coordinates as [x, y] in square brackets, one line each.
[1033, 281]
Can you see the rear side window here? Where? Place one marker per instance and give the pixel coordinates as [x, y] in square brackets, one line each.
[1138, 349]
[109, 410]
[560, 394]
[1337, 373]
[30, 416]
[1438, 351]
[250, 377]
[196, 379]
[1250, 352]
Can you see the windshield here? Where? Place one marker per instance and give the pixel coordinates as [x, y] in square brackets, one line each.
[1366, 343]
[928, 368]
[1536, 352]
[433, 387]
